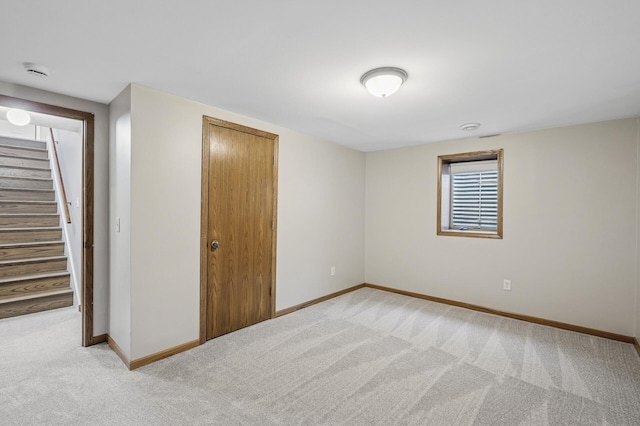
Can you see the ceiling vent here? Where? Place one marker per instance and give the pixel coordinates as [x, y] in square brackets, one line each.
[469, 127]
[37, 70]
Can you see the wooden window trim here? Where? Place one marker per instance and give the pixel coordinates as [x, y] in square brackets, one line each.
[443, 160]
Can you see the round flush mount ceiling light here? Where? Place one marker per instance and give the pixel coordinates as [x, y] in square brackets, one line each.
[470, 127]
[35, 69]
[385, 81]
[18, 117]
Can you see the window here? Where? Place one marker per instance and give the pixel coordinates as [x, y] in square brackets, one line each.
[470, 194]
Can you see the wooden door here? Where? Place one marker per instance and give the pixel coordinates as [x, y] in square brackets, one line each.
[239, 210]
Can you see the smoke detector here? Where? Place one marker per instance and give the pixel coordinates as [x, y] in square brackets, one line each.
[37, 70]
[470, 127]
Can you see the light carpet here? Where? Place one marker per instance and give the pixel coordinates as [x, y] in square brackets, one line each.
[365, 358]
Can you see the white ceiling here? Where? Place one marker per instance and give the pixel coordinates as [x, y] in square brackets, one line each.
[510, 65]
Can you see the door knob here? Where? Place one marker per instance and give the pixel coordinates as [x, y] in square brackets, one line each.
[215, 244]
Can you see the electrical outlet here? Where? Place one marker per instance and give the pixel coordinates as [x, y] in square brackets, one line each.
[506, 285]
[333, 271]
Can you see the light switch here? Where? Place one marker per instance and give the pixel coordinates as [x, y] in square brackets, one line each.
[118, 224]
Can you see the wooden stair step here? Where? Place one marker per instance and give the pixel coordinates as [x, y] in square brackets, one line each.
[31, 250]
[8, 160]
[13, 206]
[28, 172]
[35, 265]
[34, 283]
[35, 302]
[22, 194]
[24, 152]
[24, 235]
[25, 182]
[26, 143]
[24, 220]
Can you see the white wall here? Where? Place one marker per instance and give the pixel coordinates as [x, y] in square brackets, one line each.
[20, 132]
[101, 185]
[69, 148]
[120, 207]
[637, 335]
[320, 217]
[570, 226]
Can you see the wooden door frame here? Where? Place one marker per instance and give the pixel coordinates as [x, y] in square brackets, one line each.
[86, 302]
[204, 219]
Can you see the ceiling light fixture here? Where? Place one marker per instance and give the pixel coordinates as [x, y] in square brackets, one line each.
[383, 82]
[470, 127]
[18, 117]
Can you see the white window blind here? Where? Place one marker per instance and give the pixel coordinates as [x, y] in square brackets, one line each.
[474, 195]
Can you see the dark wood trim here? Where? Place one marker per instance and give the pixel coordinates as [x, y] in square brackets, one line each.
[318, 300]
[141, 362]
[87, 226]
[536, 320]
[88, 199]
[102, 338]
[527, 318]
[439, 200]
[239, 127]
[204, 229]
[204, 212]
[34, 106]
[471, 234]
[274, 239]
[146, 360]
[118, 350]
[462, 158]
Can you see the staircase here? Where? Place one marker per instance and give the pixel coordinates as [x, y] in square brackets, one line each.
[33, 267]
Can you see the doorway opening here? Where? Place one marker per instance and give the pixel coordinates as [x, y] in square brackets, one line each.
[85, 201]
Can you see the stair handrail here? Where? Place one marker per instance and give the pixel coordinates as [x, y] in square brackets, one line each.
[64, 193]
